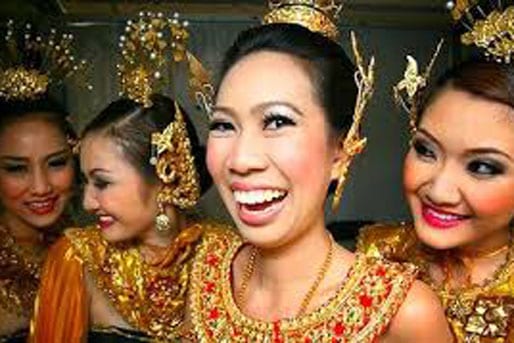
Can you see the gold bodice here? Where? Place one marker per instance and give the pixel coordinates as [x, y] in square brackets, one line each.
[477, 314]
[360, 310]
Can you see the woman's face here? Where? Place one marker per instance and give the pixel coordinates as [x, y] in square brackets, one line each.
[269, 151]
[36, 172]
[124, 204]
[459, 172]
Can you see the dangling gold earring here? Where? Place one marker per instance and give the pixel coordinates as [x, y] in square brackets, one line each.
[162, 221]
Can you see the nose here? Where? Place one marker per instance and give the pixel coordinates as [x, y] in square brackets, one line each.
[247, 154]
[89, 200]
[443, 187]
[40, 183]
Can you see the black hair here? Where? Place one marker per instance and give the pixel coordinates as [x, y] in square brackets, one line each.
[331, 71]
[131, 126]
[488, 80]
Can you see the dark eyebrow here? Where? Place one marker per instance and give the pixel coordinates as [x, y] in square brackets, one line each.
[258, 108]
[8, 158]
[483, 151]
[95, 171]
[58, 153]
[474, 151]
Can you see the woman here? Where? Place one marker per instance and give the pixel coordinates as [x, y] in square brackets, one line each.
[273, 149]
[125, 280]
[459, 183]
[36, 185]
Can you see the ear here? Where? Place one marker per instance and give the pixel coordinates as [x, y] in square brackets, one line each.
[340, 160]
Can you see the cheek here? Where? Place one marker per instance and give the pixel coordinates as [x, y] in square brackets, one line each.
[492, 200]
[216, 153]
[414, 173]
[62, 180]
[12, 188]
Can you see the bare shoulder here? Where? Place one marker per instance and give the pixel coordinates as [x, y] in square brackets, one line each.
[420, 318]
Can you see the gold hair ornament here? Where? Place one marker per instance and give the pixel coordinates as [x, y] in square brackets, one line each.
[409, 91]
[147, 46]
[353, 143]
[29, 67]
[316, 15]
[493, 32]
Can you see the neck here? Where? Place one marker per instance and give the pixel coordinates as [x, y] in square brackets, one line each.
[487, 247]
[21, 232]
[282, 267]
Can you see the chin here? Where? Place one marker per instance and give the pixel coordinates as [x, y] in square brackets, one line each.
[439, 240]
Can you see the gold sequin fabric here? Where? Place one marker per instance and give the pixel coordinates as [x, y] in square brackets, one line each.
[360, 311]
[476, 314]
[19, 275]
[150, 298]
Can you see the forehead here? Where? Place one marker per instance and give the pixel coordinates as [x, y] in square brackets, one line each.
[267, 76]
[464, 120]
[100, 151]
[31, 136]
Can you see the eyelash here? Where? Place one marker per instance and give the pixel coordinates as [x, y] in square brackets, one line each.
[58, 163]
[423, 150]
[279, 120]
[492, 168]
[220, 125]
[15, 169]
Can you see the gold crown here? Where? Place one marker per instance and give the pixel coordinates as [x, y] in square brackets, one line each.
[316, 15]
[147, 47]
[493, 32]
[29, 68]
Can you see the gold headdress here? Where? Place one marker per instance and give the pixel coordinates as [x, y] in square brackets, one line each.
[409, 91]
[28, 66]
[353, 143]
[316, 15]
[493, 32]
[150, 46]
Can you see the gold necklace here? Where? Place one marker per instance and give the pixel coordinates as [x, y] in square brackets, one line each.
[250, 267]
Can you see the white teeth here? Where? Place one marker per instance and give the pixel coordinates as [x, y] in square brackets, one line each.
[105, 219]
[39, 204]
[257, 196]
[443, 216]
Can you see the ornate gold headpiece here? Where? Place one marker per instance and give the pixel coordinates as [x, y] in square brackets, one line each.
[150, 45]
[493, 32]
[28, 66]
[316, 15]
[409, 91]
[353, 143]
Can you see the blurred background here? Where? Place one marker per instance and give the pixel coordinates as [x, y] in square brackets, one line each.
[388, 29]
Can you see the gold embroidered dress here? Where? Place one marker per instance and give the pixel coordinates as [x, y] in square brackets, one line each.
[477, 314]
[151, 299]
[360, 311]
[19, 280]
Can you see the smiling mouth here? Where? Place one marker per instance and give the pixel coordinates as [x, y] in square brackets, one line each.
[439, 219]
[258, 207]
[104, 222]
[43, 207]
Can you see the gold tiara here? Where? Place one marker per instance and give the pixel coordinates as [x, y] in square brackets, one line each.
[493, 32]
[28, 66]
[151, 46]
[316, 15]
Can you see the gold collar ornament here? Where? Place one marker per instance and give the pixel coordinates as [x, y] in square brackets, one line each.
[29, 64]
[321, 16]
[316, 15]
[493, 32]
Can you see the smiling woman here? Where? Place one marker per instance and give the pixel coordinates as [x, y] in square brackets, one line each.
[36, 185]
[459, 183]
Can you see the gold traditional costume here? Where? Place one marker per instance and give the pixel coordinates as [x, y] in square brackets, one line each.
[150, 298]
[476, 313]
[359, 311]
[28, 67]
